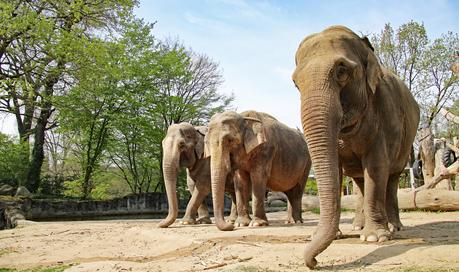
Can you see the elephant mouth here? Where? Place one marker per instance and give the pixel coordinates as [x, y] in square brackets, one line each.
[349, 128]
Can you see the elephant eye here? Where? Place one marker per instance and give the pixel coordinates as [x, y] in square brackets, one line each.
[342, 74]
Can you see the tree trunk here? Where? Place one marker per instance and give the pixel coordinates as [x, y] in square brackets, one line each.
[33, 176]
[432, 200]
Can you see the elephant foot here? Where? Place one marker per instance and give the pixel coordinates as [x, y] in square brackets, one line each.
[231, 219]
[204, 220]
[357, 227]
[393, 227]
[188, 221]
[242, 221]
[358, 223]
[293, 221]
[258, 222]
[375, 235]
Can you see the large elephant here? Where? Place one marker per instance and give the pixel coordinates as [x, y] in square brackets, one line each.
[183, 146]
[359, 120]
[259, 150]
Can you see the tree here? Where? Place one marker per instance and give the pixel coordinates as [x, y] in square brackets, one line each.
[89, 108]
[137, 134]
[13, 170]
[168, 85]
[424, 65]
[439, 83]
[39, 41]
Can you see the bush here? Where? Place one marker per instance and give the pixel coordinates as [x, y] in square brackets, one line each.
[13, 161]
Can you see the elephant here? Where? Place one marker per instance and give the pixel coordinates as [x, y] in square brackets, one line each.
[259, 150]
[359, 120]
[183, 146]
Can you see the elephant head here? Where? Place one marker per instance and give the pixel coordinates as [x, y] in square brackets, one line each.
[231, 140]
[337, 74]
[182, 147]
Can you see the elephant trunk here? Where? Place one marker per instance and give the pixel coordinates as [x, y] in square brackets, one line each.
[220, 166]
[170, 171]
[321, 115]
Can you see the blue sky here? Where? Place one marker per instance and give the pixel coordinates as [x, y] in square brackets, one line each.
[254, 42]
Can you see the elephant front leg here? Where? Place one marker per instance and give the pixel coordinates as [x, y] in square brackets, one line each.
[375, 229]
[392, 204]
[359, 219]
[258, 177]
[196, 201]
[242, 192]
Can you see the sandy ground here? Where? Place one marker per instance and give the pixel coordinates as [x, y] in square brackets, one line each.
[428, 241]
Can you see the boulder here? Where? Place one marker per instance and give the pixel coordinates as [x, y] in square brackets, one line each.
[6, 189]
[22, 192]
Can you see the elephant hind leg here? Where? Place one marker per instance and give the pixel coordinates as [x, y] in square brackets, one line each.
[359, 219]
[294, 196]
[392, 203]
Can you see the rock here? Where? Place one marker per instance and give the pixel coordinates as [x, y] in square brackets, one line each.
[22, 192]
[6, 189]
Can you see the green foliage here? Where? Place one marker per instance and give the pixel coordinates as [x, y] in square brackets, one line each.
[311, 187]
[109, 86]
[13, 167]
[424, 65]
[43, 46]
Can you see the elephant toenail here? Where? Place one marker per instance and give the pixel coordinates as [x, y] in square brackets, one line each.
[372, 238]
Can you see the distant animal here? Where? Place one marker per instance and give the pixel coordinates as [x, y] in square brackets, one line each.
[259, 150]
[183, 147]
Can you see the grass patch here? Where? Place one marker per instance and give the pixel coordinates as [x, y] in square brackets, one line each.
[60, 268]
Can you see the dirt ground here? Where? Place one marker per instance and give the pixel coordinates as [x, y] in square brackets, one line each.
[429, 242]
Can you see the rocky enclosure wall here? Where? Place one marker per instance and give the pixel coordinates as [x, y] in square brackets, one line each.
[43, 209]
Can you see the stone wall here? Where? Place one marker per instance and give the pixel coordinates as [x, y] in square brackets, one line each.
[61, 209]
[148, 203]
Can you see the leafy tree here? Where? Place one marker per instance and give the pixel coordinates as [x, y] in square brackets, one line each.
[87, 110]
[424, 65]
[13, 170]
[39, 41]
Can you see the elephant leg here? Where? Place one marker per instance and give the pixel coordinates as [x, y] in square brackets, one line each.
[392, 204]
[259, 178]
[376, 176]
[196, 201]
[233, 215]
[294, 196]
[359, 219]
[203, 213]
[242, 192]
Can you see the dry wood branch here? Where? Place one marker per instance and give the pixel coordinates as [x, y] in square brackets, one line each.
[449, 116]
[449, 172]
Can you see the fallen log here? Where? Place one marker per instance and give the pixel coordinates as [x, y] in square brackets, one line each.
[432, 200]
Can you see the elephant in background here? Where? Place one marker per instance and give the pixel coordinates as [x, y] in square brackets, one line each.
[259, 150]
[359, 120]
[183, 146]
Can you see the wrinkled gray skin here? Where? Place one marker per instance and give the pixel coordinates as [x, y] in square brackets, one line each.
[183, 146]
[259, 150]
[359, 120]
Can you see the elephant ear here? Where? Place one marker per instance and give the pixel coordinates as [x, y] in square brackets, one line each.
[373, 68]
[254, 134]
[199, 147]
